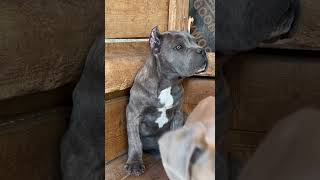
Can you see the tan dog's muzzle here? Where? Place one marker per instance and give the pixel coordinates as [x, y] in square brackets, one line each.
[188, 153]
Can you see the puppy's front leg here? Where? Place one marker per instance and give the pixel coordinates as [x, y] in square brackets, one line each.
[178, 120]
[134, 165]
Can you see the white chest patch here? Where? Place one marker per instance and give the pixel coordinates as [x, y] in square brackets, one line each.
[166, 100]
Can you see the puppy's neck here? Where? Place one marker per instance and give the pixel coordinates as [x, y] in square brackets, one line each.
[164, 71]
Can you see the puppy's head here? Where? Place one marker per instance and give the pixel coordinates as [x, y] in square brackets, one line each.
[178, 51]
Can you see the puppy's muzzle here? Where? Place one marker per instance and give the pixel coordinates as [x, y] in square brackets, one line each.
[205, 63]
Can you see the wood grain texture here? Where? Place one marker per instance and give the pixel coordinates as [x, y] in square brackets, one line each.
[266, 88]
[196, 89]
[135, 18]
[123, 60]
[308, 34]
[178, 15]
[115, 128]
[154, 169]
[29, 145]
[39, 48]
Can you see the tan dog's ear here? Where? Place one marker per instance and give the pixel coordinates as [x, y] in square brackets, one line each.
[188, 153]
[176, 150]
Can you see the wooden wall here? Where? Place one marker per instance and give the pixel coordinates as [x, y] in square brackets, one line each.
[135, 18]
[129, 21]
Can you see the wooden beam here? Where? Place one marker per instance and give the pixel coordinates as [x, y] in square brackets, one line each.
[122, 62]
[135, 18]
[178, 15]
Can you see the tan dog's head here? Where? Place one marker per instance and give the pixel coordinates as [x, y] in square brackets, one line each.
[188, 153]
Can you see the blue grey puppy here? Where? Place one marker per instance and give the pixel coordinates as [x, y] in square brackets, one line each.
[156, 95]
[82, 148]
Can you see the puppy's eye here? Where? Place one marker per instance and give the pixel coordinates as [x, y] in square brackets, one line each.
[178, 47]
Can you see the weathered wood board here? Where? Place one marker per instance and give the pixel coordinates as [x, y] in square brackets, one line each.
[122, 63]
[178, 15]
[135, 18]
[196, 89]
[115, 127]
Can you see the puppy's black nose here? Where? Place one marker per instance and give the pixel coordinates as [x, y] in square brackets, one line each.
[199, 51]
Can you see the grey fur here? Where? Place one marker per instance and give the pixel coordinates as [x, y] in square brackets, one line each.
[82, 148]
[242, 25]
[166, 66]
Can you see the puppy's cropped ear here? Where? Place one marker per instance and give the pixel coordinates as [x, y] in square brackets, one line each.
[154, 40]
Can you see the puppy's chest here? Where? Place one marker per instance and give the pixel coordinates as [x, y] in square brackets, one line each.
[168, 101]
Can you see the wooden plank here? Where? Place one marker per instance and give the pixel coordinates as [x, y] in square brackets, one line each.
[128, 48]
[196, 89]
[266, 88]
[115, 127]
[123, 60]
[178, 15]
[122, 63]
[154, 169]
[135, 18]
[308, 34]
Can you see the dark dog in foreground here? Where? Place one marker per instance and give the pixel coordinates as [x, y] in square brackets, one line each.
[82, 148]
[156, 95]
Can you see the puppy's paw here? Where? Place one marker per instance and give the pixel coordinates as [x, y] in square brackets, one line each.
[134, 168]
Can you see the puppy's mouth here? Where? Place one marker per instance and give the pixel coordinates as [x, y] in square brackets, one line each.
[202, 69]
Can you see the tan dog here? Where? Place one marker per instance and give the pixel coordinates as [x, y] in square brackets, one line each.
[291, 151]
[188, 153]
